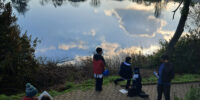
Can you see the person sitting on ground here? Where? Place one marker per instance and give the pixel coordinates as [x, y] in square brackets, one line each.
[31, 91]
[137, 80]
[45, 96]
[136, 88]
[125, 72]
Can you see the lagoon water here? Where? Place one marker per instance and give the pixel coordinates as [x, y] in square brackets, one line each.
[74, 28]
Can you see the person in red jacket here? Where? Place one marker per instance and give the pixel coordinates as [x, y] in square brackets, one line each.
[98, 68]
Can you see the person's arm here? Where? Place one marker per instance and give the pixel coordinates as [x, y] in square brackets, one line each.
[131, 72]
[102, 58]
[103, 66]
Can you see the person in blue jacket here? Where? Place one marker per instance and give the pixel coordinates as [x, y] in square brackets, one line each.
[166, 74]
[125, 72]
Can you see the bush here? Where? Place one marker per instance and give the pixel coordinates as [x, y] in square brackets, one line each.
[17, 59]
[193, 94]
[185, 57]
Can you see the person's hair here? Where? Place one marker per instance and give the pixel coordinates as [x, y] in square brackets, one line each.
[45, 97]
[137, 70]
[165, 57]
[128, 59]
[98, 50]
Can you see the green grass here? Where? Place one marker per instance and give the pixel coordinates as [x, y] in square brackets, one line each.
[89, 84]
[192, 94]
[13, 97]
[177, 79]
[186, 78]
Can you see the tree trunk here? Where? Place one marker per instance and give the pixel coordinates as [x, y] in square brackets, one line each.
[180, 27]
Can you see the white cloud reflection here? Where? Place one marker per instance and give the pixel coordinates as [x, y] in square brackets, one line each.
[92, 32]
[135, 6]
[80, 45]
[137, 20]
[136, 23]
[114, 49]
[109, 48]
[111, 51]
[42, 50]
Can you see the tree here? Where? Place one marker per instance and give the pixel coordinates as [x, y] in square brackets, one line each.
[180, 27]
[20, 5]
[17, 59]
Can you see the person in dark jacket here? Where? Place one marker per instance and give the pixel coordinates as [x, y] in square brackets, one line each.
[98, 68]
[125, 72]
[137, 80]
[136, 89]
[166, 74]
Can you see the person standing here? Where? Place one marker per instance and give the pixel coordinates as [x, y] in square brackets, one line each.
[98, 68]
[125, 72]
[166, 74]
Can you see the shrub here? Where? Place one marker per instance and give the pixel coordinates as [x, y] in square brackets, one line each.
[17, 59]
[193, 94]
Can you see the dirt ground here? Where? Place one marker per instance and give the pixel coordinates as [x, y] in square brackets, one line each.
[111, 92]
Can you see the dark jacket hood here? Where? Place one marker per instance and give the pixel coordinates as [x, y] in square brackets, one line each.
[99, 57]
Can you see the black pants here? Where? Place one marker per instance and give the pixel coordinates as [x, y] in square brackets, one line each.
[165, 89]
[99, 83]
[128, 82]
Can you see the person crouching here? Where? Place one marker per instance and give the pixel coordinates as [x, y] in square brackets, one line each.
[125, 72]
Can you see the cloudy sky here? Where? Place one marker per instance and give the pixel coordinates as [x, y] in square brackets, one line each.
[115, 26]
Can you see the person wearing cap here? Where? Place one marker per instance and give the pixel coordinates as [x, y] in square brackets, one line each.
[125, 72]
[31, 91]
[166, 74]
[98, 68]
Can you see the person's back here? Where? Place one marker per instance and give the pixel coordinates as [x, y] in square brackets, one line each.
[125, 70]
[98, 64]
[166, 74]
